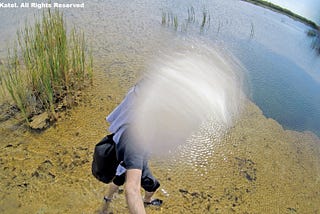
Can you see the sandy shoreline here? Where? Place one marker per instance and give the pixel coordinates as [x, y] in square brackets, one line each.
[257, 168]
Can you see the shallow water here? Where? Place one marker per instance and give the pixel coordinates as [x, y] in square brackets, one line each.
[257, 167]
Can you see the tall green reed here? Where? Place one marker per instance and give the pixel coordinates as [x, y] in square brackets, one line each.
[52, 66]
[15, 82]
[171, 20]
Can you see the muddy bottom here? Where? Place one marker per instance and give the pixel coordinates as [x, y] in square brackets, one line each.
[256, 168]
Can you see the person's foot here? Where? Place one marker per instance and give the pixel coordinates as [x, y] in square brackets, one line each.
[154, 202]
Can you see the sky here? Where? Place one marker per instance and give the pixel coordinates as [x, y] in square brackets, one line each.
[309, 9]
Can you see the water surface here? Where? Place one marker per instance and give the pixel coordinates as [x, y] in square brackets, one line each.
[257, 167]
[283, 70]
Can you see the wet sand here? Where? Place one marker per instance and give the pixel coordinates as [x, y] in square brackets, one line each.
[258, 167]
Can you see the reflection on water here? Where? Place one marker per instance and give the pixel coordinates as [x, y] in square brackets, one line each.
[184, 89]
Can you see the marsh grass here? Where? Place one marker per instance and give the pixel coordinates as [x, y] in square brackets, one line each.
[2, 83]
[46, 67]
[171, 20]
[205, 20]
[311, 33]
[316, 44]
[191, 15]
[315, 36]
[252, 31]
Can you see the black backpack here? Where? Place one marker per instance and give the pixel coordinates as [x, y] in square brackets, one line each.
[105, 162]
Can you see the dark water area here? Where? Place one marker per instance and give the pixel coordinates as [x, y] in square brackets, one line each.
[283, 90]
[283, 69]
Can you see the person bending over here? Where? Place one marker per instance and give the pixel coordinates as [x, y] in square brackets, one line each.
[133, 168]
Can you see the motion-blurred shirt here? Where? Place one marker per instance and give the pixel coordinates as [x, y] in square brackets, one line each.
[120, 117]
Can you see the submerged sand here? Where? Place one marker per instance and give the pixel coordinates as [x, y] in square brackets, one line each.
[258, 167]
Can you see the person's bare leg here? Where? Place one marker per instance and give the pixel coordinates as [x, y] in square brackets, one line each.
[148, 196]
[112, 189]
[105, 207]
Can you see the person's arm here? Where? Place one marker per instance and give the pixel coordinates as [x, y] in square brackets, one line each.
[134, 200]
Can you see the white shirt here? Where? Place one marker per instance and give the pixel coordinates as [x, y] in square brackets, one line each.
[121, 115]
